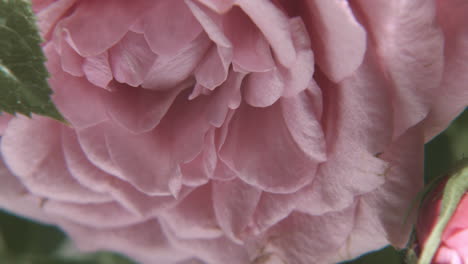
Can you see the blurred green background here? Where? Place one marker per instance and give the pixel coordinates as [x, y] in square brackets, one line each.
[25, 242]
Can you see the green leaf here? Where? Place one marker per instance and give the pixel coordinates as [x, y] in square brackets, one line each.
[23, 76]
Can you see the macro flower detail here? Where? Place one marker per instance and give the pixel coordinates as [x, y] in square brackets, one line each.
[236, 131]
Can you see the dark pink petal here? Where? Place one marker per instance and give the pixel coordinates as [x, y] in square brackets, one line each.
[193, 217]
[91, 20]
[234, 204]
[138, 110]
[145, 242]
[97, 69]
[251, 50]
[169, 26]
[408, 40]
[274, 24]
[263, 136]
[40, 163]
[338, 39]
[131, 59]
[169, 71]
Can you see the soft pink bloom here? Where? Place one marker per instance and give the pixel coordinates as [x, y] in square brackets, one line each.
[237, 131]
[454, 244]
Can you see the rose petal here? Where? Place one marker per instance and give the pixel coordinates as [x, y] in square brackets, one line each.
[250, 48]
[131, 59]
[85, 24]
[172, 20]
[193, 217]
[257, 136]
[81, 105]
[275, 26]
[145, 242]
[167, 72]
[138, 110]
[408, 39]
[234, 204]
[335, 34]
[97, 70]
[40, 163]
[452, 95]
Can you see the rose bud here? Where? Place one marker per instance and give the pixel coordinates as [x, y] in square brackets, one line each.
[442, 225]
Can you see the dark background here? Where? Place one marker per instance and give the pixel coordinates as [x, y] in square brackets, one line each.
[25, 242]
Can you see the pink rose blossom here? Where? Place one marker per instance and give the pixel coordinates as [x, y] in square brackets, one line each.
[454, 243]
[236, 131]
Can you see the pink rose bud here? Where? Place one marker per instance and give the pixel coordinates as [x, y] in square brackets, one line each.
[443, 229]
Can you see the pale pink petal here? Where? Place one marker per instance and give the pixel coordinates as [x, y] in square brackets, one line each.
[193, 217]
[303, 238]
[138, 110]
[234, 204]
[262, 89]
[97, 180]
[4, 120]
[145, 242]
[101, 215]
[131, 59]
[144, 160]
[447, 255]
[408, 40]
[275, 26]
[218, 250]
[298, 76]
[225, 98]
[169, 71]
[452, 95]
[338, 39]
[93, 143]
[81, 105]
[16, 198]
[211, 23]
[92, 19]
[263, 136]
[213, 69]
[250, 48]
[221, 6]
[198, 171]
[72, 62]
[169, 26]
[97, 69]
[381, 214]
[50, 14]
[40, 163]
